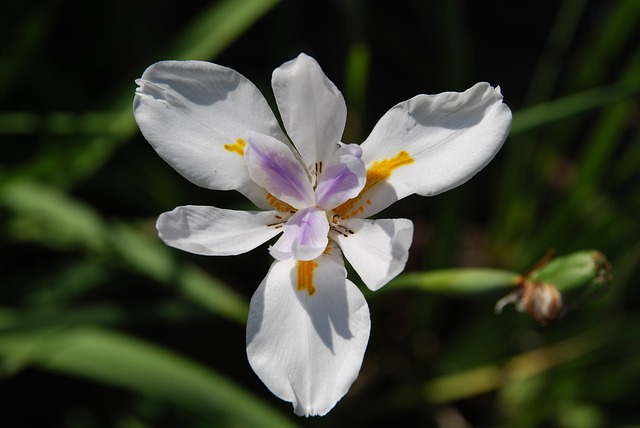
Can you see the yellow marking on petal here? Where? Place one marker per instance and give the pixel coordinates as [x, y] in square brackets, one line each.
[279, 205]
[238, 147]
[379, 171]
[305, 276]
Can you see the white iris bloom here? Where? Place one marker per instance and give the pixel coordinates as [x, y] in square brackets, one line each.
[308, 324]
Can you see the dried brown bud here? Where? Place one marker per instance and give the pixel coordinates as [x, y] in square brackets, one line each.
[541, 300]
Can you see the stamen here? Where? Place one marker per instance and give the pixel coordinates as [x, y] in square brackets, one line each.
[316, 176]
[340, 228]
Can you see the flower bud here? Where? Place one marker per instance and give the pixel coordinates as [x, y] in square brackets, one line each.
[582, 272]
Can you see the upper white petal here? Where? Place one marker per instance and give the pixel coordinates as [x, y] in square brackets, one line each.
[377, 249]
[312, 108]
[449, 137]
[214, 231]
[308, 349]
[190, 110]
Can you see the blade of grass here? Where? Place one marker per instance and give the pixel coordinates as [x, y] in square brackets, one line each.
[540, 115]
[46, 215]
[562, 33]
[126, 362]
[619, 22]
[356, 80]
[215, 28]
[515, 210]
[595, 161]
[512, 209]
[487, 378]
[24, 43]
[60, 123]
[26, 319]
[58, 315]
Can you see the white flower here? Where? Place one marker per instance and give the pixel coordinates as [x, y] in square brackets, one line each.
[308, 324]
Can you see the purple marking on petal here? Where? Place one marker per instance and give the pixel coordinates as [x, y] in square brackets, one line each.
[274, 167]
[342, 179]
[305, 236]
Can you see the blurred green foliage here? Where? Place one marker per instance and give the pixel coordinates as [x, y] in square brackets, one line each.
[101, 325]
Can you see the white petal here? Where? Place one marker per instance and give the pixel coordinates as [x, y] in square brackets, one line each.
[312, 108]
[341, 178]
[377, 249]
[306, 347]
[194, 113]
[214, 231]
[305, 236]
[274, 167]
[432, 143]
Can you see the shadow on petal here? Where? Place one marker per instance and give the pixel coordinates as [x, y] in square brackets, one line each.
[452, 110]
[327, 307]
[183, 82]
[256, 313]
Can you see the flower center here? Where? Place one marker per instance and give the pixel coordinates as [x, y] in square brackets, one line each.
[377, 172]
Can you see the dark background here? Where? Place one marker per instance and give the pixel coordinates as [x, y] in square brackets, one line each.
[77, 179]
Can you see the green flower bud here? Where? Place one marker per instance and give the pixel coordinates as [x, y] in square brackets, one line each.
[583, 271]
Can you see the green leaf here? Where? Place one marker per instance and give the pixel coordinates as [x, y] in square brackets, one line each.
[155, 260]
[62, 123]
[479, 380]
[216, 27]
[126, 362]
[552, 111]
[47, 316]
[49, 216]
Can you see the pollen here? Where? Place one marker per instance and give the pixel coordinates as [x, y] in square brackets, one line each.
[379, 171]
[238, 147]
[305, 276]
[276, 203]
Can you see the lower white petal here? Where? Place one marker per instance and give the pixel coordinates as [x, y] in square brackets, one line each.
[214, 231]
[307, 332]
[377, 249]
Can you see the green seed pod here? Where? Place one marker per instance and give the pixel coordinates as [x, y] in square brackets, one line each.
[582, 271]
